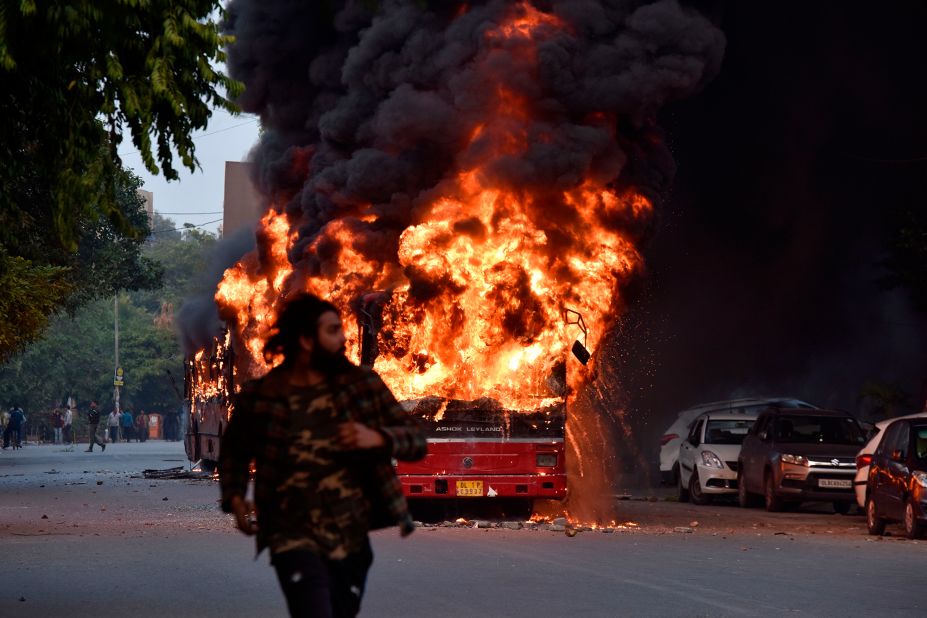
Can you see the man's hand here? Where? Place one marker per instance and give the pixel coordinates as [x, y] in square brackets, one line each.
[353, 436]
[244, 515]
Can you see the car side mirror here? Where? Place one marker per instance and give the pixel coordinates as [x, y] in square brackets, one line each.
[693, 441]
[898, 456]
[763, 436]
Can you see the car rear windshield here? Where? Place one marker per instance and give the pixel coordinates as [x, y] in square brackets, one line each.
[727, 432]
[819, 429]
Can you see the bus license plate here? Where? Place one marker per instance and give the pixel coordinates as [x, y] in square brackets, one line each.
[469, 488]
[835, 483]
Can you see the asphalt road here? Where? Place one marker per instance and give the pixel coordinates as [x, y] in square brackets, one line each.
[82, 534]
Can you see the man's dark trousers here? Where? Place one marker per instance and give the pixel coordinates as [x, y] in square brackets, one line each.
[93, 437]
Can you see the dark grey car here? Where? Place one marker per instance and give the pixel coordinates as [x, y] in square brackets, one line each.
[897, 484]
[793, 456]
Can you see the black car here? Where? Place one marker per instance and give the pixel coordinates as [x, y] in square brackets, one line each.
[896, 489]
[794, 456]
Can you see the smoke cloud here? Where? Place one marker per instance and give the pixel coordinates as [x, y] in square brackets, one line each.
[198, 319]
[374, 108]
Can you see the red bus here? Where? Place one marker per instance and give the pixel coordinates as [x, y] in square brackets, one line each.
[478, 450]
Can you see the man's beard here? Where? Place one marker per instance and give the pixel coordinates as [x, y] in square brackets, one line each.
[329, 363]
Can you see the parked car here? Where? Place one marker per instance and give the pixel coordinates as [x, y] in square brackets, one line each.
[794, 456]
[674, 435]
[864, 457]
[897, 485]
[708, 456]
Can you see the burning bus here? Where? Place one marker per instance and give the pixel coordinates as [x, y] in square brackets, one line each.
[492, 167]
[209, 383]
[477, 448]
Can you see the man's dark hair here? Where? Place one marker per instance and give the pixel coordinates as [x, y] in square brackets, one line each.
[298, 318]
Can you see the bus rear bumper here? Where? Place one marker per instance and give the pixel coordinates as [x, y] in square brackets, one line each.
[549, 486]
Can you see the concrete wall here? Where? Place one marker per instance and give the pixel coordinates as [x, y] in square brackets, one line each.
[241, 205]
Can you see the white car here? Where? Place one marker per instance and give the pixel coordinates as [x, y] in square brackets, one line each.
[708, 455]
[864, 457]
[673, 437]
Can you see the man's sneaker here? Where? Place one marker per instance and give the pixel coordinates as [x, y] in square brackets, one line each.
[103, 448]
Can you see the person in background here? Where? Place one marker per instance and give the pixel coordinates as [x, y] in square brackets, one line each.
[67, 426]
[58, 424]
[112, 424]
[322, 433]
[128, 424]
[14, 428]
[141, 426]
[93, 421]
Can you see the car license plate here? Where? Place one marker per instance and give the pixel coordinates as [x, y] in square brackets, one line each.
[469, 488]
[835, 483]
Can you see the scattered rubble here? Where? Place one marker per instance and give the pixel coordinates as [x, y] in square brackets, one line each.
[176, 473]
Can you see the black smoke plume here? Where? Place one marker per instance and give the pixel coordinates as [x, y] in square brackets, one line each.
[198, 320]
[369, 108]
[371, 103]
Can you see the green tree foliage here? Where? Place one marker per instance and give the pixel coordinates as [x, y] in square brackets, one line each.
[183, 252]
[29, 295]
[46, 281]
[76, 355]
[142, 65]
[76, 75]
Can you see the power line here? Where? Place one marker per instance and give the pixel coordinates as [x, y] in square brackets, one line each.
[234, 126]
[186, 227]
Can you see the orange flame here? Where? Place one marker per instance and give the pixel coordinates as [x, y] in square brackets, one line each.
[501, 265]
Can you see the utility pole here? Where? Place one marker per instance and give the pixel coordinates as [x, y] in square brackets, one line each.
[116, 376]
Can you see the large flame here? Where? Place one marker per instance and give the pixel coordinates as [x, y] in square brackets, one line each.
[481, 283]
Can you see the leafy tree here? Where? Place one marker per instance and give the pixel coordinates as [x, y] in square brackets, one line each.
[183, 254]
[29, 295]
[142, 65]
[76, 354]
[76, 75]
[48, 281]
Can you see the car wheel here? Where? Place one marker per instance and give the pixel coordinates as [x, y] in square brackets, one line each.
[695, 490]
[842, 508]
[913, 528]
[874, 524]
[744, 498]
[773, 502]
[681, 492]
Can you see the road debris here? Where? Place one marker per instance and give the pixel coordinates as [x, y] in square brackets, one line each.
[175, 473]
